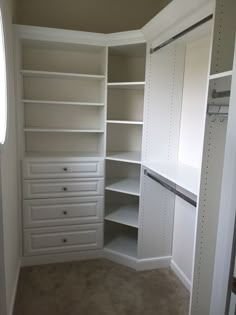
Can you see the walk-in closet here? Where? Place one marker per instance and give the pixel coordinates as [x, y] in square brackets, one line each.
[124, 149]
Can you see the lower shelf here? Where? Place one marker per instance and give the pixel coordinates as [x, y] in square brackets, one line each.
[127, 215]
[125, 244]
[129, 186]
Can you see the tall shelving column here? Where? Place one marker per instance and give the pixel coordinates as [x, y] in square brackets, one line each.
[126, 83]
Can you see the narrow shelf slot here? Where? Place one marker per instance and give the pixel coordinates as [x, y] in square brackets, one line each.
[125, 122]
[125, 214]
[63, 130]
[129, 186]
[130, 157]
[52, 74]
[26, 101]
[124, 243]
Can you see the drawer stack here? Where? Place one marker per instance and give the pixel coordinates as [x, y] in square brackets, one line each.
[63, 205]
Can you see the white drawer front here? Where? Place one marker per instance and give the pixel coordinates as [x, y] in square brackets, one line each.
[52, 212]
[62, 169]
[55, 240]
[63, 188]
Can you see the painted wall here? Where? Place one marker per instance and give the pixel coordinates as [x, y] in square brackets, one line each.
[8, 172]
[103, 16]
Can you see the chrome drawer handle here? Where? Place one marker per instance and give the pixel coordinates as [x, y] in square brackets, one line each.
[65, 188]
[64, 240]
[65, 169]
[65, 212]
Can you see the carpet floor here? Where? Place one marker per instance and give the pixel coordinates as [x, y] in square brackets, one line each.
[99, 287]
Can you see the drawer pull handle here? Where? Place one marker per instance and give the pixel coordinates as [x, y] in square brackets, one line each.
[65, 212]
[65, 169]
[64, 240]
[65, 188]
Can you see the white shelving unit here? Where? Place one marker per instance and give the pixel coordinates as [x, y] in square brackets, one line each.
[124, 143]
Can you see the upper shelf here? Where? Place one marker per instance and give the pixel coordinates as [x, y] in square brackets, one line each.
[184, 176]
[61, 103]
[220, 75]
[125, 122]
[50, 74]
[62, 130]
[130, 157]
[127, 85]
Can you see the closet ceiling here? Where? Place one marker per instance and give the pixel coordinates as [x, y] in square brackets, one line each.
[103, 16]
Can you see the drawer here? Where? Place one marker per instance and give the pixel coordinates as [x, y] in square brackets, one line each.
[63, 188]
[33, 168]
[63, 239]
[64, 211]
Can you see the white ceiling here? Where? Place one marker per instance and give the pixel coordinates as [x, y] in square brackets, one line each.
[102, 16]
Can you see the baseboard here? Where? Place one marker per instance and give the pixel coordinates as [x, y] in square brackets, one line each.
[153, 263]
[60, 258]
[120, 258]
[180, 274]
[13, 298]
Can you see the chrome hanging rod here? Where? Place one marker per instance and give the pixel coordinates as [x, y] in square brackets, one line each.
[187, 30]
[170, 188]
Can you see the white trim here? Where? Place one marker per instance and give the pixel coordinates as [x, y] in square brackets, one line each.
[120, 258]
[153, 263]
[78, 37]
[180, 274]
[180, 14]
[13, 298]
[60, 258]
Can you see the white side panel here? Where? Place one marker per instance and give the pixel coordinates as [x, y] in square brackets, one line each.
[209, 201]
[155, 220]
[163, 100]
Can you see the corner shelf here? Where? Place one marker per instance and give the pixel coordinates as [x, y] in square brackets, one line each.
[129, 157]
[124, 244]
[63, 130]
[27, 101]
[125, 214]
[130, 186]
[125, 122]
[127, 85]
[48, 74]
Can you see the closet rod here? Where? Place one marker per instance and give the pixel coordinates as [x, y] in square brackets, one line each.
[187, 30]
[173, 190]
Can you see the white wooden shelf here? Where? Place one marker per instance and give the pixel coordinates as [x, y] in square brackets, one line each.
[125, 122]
[221, 75]
[127, 215]
[61, 103]
[50, 74]
[125, 244]
[130, 157]
[126, 85]
[184, 176]
[63, 130]
[129, 186]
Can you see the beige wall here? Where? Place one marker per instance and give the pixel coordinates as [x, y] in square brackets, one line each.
[103, 16]
[9, 231]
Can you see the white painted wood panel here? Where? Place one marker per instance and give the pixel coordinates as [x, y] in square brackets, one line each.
[62, 239]
[66, 211]
[52, 188]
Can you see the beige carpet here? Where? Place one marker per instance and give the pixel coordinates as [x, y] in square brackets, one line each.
[99, 287]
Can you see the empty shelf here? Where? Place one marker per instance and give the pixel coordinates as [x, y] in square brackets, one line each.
[125, 244]
[61, 103]
[126, 85]
[125, 122]
[127, 215]
[43, 74]
[129, 186]
[130, 157]
[63, 130]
